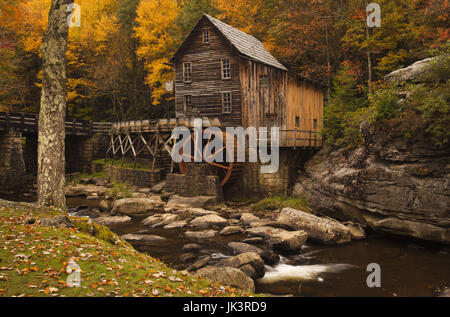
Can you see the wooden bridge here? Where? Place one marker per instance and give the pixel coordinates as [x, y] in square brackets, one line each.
[28, 123]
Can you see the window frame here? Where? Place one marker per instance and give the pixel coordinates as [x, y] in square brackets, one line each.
[185, 73]
[264, 84]
[223, 68]
[297, 121]
[315, 124]
[186, 105]
[224, 93]
[206, 37]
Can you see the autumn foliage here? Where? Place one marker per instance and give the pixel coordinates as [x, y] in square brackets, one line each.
[119, 59]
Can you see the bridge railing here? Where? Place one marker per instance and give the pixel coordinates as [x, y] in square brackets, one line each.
[28, 123]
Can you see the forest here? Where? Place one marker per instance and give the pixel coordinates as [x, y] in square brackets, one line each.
[118, 58]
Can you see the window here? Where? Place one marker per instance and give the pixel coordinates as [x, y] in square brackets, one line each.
[187, 102]
[187, 72]
[315, 124]
[263, 81]
[297, 121]
[226, 69]
[226, 102]
[206, 36]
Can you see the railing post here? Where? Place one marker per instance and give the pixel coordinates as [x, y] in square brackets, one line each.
[22, 122]
[74, 127]
[310, 138]
[295, 139]
[36, 122]
[7, 121]
[315, 139]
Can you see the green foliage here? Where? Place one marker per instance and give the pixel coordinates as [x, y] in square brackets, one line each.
[432, 99]
[384, 103]
[343, 114]
[120, 190]
[276, 202]
[127, 163]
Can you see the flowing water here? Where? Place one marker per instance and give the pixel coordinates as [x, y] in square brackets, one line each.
[409, 267]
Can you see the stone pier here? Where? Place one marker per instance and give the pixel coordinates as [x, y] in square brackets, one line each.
[278, 183]
[12, 164]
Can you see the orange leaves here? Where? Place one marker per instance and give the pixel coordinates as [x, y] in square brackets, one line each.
[158, 36]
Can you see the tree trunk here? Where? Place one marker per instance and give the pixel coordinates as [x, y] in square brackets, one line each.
[369, 60]
[52, 113]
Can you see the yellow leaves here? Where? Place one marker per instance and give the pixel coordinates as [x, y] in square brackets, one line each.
[158, 39]
[50, 290]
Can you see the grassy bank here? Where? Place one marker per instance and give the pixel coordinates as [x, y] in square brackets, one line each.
[33, 260]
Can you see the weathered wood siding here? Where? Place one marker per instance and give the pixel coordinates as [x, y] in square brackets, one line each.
[305, 101]
[263, 106]
[207, 83]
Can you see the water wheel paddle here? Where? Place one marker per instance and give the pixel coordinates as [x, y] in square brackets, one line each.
[212, 156]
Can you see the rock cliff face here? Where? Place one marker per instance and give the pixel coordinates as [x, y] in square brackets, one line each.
[389, 184]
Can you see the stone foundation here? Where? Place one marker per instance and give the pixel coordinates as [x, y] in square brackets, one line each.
[140, 178]
[197, 181]
[278, 183]
[12, 165]
[79, 154]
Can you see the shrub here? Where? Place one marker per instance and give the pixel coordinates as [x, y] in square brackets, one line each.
[120, 190]
[277, 202]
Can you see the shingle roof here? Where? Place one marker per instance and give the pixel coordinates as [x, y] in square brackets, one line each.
[246, 44]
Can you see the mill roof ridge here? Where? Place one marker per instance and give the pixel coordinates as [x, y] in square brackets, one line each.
[245, 43]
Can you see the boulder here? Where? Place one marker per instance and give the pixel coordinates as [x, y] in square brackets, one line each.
[91, 213]
[158, 188]
[208, 220]
[139, 195]
[356, 230]
[206, 234]
[228, 276]
[145, 239]
[187, 257]
[84, 190]
[233, 222]
[414, 72]
[248, 218]
[93, 196]
[268, 256]
[160, 220]
[229, 230]
[253, 240]
[200, 211]
[166, 196]
[326, 230]
[112, 220]
[176, 201]
[137, 207]
[144, 190]
[239, 247]
[199, 264]
[290, 241]
[176, 225]
[105, 205]
[191, 247]
[247, 258]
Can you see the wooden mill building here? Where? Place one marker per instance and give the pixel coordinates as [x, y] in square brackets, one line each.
[225, 73]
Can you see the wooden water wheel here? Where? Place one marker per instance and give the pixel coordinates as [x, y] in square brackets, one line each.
[226, 171]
